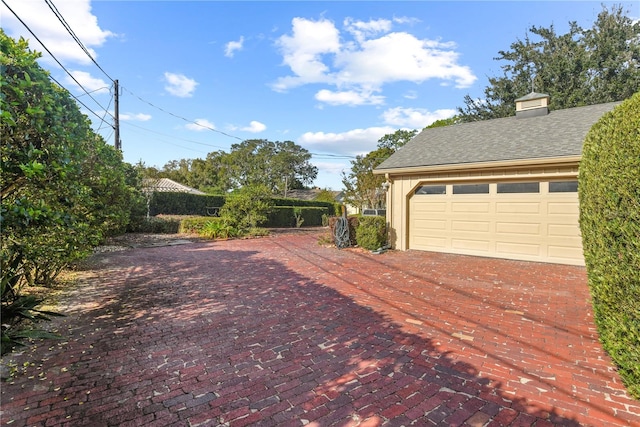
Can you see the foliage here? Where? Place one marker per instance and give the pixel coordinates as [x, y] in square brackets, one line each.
[363, 189]
[247, 208]
[175, 203]
[325, 195]
[371, 232]
[610, 225]
[280, 166]
[396, 140]
[194, 224]
[445, 122]
[288, 216]
[157, 225]
[217, 228]
[297, 213]
[15, 313]
[581, 67]
[63, 188]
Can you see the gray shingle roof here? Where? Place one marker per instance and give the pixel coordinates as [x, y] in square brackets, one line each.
[557, 134]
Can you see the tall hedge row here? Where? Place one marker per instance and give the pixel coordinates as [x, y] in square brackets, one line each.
[609, 191]
[173, 203]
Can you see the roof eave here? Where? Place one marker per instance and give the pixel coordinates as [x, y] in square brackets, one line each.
[502, 164]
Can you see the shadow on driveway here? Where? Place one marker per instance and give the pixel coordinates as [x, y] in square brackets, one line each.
[283, 332]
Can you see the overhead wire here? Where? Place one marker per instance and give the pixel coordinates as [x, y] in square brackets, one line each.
[180, 117]
[67, 27]
[56, 59]
[82, 103]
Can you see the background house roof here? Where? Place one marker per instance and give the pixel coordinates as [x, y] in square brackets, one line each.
[557, 134]
[309, 194]
[166, 185]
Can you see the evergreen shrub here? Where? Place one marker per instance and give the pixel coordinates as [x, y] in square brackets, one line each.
[371, 232]
[609, 192]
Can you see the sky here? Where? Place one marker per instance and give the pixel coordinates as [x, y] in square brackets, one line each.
[332, 76]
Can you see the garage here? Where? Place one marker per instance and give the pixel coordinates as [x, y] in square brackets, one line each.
[534, 220]
[503, 188]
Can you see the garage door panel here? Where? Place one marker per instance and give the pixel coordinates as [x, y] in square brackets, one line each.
[563, 230]
[526, 228]
[465, 207]
[514, 207]
[472, 245]
[473, 226]
[429, 243]
[430, 224]
[430, 207]
[505, 248]
[563, 208]
[567, 253]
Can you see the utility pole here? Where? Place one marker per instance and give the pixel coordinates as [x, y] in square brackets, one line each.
[116, 117]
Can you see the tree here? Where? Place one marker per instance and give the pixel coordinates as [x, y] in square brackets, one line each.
[63, 189]
[398, 139]
[581, 67]
[445, 122]
[280, 166]
[362, 187]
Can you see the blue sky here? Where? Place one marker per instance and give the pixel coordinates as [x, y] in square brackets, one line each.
[332, 76]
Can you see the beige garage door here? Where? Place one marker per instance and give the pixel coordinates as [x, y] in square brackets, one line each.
[534, 221]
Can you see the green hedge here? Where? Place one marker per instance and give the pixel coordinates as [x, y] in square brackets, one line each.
[174, 203]
[284, 216]
[182, 203]
[609, 191]
[332, 208]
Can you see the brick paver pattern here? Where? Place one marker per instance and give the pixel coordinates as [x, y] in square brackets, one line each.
[281, 331]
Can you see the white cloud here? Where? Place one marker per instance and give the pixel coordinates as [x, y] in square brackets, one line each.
[89, 83]
[42, 21]
[353, 142]
[412, 94]
[200, 125]
[232, 46]
[303, 51]
[349, 97]
[135, 117]
[414, 118]
[179, 85]
[254, 127]
[362, 30]
[331, 167]
[364, 57]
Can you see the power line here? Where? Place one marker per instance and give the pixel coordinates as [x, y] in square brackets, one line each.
[174, 137]
[78, 100]
[180, 117]
[56, 59]
[67, 27]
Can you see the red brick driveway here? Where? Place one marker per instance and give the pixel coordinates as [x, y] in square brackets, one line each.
[281, 331]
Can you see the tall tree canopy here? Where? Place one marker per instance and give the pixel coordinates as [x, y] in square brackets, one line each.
[581, 67]
[280, 166]
[362, 187]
